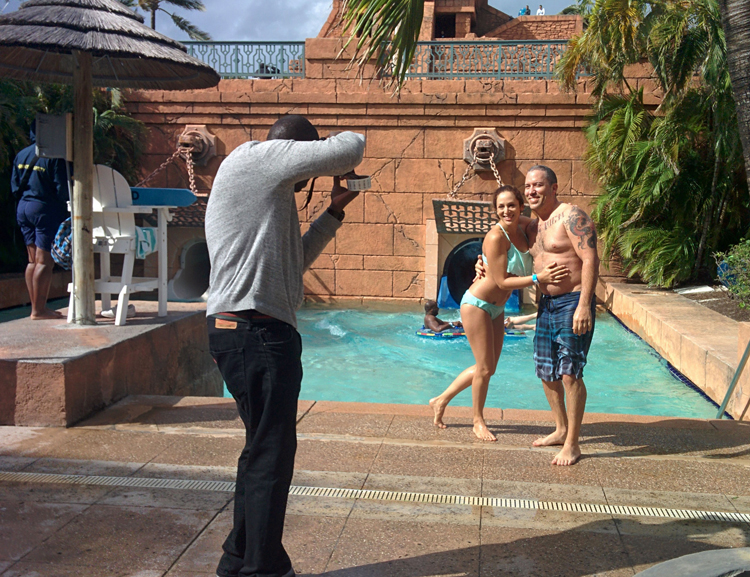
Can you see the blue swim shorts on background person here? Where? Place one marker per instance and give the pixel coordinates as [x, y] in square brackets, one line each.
[39, 222]
[558, 350]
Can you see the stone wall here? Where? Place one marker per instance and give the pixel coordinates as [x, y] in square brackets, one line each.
[414, 154]
[538, 28]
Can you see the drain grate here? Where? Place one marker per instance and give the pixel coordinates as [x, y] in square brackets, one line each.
[375, 495]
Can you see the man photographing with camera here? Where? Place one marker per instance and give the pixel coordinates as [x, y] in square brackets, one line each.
[258, 257]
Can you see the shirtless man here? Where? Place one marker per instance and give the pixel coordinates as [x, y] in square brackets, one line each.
[562, 234]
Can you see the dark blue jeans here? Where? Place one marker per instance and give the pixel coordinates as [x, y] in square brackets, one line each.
[260, 361]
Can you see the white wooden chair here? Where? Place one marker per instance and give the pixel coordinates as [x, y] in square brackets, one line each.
[115, 233]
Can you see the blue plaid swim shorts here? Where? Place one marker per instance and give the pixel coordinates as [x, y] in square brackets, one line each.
[558, 350]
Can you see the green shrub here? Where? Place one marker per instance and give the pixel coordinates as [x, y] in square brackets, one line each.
[735, 273]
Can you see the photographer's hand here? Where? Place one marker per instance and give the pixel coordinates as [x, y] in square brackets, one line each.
[340, 197]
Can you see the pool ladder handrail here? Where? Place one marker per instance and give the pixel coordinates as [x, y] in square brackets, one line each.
[733, 385]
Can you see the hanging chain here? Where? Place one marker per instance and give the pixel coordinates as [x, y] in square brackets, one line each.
[188, 152]
[464, 178]
[494, 170]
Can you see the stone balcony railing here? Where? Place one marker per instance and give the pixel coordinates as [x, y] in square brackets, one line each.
[439, 60]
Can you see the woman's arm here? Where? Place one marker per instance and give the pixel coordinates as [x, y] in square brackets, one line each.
[496, 248]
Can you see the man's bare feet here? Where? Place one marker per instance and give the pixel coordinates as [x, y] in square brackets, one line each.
[568, 456]
[439, 409]
[556, 438]
[482, 432]
[47, 314]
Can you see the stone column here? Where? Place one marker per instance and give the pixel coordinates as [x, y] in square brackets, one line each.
[463, 24]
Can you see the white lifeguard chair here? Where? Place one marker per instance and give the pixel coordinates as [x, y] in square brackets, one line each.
[115, 233]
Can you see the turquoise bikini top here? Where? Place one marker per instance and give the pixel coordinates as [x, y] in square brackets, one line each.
[519, 263]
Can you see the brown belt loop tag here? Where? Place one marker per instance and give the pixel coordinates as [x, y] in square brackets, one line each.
[222, 324]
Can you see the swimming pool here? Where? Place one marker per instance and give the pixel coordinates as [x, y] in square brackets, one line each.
[373, 356]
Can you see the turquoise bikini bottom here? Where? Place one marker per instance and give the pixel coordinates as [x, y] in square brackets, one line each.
[493, 310]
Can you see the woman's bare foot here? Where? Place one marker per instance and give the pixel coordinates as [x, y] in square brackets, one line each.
[439, 409]
[46, 314]
[482, 432]
[556, 438]
[568, 456]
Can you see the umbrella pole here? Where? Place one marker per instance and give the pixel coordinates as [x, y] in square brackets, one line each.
[83, 171]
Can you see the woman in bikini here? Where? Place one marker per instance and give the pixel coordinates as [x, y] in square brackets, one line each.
[508, 265]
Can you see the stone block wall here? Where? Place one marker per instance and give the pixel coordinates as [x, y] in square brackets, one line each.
[538, 28]
[414, 154]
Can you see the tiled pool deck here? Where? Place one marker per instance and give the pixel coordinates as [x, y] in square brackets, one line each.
[90, 529]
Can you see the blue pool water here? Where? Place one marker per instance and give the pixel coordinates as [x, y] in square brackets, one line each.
[363, 355]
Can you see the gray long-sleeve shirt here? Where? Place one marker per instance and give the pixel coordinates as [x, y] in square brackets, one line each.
[257, 254]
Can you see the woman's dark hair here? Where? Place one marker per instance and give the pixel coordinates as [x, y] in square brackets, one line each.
[508, 188]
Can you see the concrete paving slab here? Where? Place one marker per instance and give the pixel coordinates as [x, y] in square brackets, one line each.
[310, 541]
[123, 538]
[625, 438]
[319, 507]
[26, 524]
[127, 447]
[372, 548]
[534, 553]
[188, 472]
[32, 441]
[417, 512]
[219, 416]
[51, 493]
[741, 504]
[166, 498]
[668, 499]
[83, 467]
[303, 478]
[429, 461]
[15, 463]
[418, 484]
[24, 569]
[316, 455]
[546, 520]
[421, 428]
[201, 450]
[204, 553]
[345, 424]
[666, 474]
[544, 491]
[646, 551]
[719, 534]
[534, 466]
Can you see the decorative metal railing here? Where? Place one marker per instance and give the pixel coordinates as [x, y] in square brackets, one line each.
[488, 59]
[252, 59]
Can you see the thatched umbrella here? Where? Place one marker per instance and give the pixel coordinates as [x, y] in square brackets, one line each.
[87, 43]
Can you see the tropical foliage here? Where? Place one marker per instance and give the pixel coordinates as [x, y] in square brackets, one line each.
[154, 6]
[385, 31]
[734, 272]
[118, 142]
[672, 177]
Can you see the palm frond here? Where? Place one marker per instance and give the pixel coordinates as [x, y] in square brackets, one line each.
[192, 31]
[383, 31]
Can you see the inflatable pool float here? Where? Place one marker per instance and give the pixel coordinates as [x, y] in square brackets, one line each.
[450, 333]
[454, 332]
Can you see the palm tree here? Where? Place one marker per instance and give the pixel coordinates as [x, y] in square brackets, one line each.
[736, 21]
[672, 179]
[154, 6]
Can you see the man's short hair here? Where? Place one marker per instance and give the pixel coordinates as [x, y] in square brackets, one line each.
[549, 174]
[293, 127]
[429, 306]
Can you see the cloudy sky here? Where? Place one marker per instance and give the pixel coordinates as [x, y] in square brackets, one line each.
[276, 19]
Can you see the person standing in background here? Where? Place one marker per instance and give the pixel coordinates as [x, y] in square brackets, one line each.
[41, 187]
